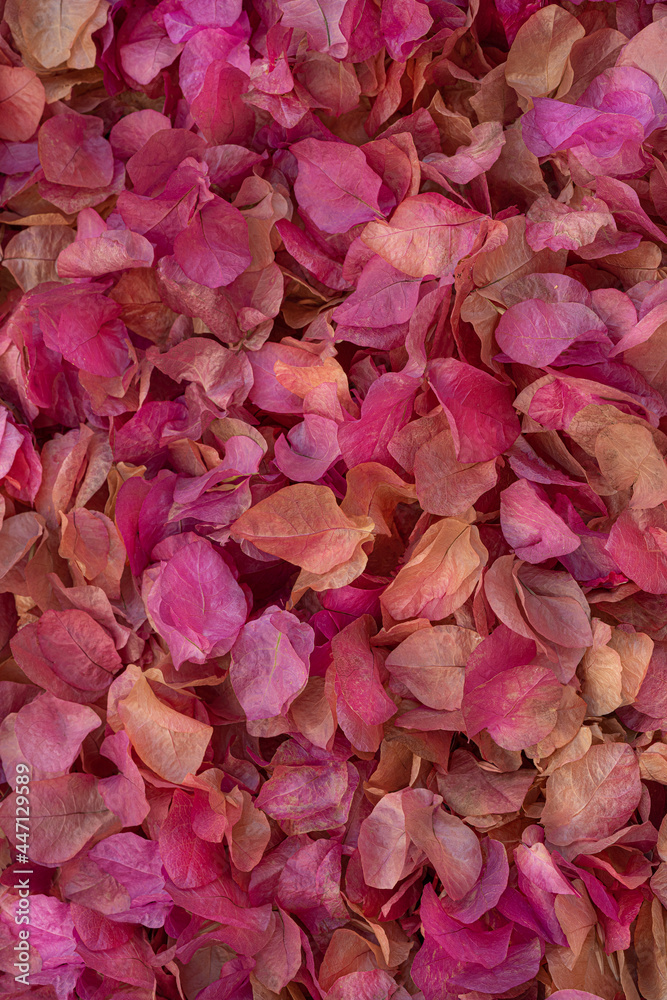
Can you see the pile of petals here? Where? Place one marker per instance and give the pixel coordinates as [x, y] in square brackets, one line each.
[333, 544]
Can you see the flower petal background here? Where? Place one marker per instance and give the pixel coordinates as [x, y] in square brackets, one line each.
[333, 485]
